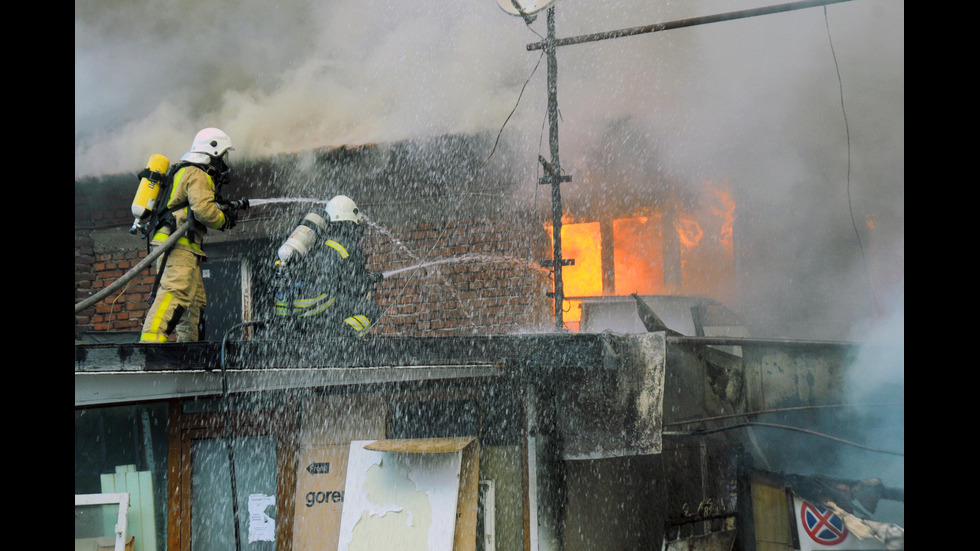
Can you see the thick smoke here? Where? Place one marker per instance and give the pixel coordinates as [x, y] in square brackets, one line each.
[877, 378]
[800, 113]
[287, 76]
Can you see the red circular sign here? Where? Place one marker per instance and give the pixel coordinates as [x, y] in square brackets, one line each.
[822, 525]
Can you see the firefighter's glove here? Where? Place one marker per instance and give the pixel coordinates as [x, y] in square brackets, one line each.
[231, 218]
[376, 277]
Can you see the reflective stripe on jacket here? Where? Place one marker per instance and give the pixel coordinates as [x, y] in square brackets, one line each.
[297, 302]
[194, 186]
[303, 307]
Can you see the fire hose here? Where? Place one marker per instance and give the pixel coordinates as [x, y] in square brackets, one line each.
[165, 246]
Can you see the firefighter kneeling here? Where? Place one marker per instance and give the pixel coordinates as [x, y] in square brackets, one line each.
[324, 287]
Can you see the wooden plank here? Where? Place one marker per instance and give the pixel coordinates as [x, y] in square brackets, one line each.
[420, 445]
[174, 484]
[108, 483]
[773, 528]
[287, 458]
[134, 518]
[146, 537]
[464, 538]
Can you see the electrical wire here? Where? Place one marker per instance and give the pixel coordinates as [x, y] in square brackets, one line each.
[226, 405]
[779, 410]
[703, 432]
[112, 305]
[847, 131]
[534, 198]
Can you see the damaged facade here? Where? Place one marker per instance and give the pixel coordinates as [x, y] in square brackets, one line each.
[464, 420]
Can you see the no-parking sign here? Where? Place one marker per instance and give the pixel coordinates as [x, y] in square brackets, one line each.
[822, 525]
[821, 528]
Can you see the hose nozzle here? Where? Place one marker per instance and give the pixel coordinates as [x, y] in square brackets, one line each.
[239, 204]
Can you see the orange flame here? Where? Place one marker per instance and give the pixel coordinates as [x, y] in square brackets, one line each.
[725, 209]
[638, 255]
[581, 243]
[689, 231]
[694, 256]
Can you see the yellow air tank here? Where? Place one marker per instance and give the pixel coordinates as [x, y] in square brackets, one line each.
[149, 190]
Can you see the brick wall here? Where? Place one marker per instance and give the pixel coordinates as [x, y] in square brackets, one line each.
[123, 309]
[471, 277]
[481, 273]
[104, 206]
[84, 277]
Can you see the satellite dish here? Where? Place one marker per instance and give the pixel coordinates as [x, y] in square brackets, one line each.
[524, 7]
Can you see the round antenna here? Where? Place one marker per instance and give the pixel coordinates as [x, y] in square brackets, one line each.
[524, 7]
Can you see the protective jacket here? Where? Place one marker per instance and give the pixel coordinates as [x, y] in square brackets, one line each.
[181, 298]
[330, 290]
[195, 187]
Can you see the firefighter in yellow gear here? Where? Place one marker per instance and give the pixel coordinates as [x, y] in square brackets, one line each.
[325, 288]
[180, 297]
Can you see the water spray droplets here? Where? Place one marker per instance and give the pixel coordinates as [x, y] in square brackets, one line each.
[420, 265]
[254, 202]
[457, 260]
[384, 231]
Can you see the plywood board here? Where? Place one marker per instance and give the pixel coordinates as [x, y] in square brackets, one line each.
[408, 492]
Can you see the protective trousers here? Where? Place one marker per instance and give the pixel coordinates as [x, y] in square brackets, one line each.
[179, 300]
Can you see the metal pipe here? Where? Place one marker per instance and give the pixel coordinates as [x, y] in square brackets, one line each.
[754, 341]
[681, 23]
[228, 444]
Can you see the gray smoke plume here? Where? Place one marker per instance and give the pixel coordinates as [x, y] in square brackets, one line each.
[800, 113]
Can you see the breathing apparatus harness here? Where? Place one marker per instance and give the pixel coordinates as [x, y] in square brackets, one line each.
[164, 216]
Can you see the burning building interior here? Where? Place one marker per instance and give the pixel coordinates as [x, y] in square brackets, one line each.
[698, 363]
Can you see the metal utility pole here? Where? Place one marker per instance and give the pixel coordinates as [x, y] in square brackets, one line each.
[552, 169]
[679, 24]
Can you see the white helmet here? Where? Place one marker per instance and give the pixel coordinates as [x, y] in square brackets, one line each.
[208, 143]
[343, 209]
